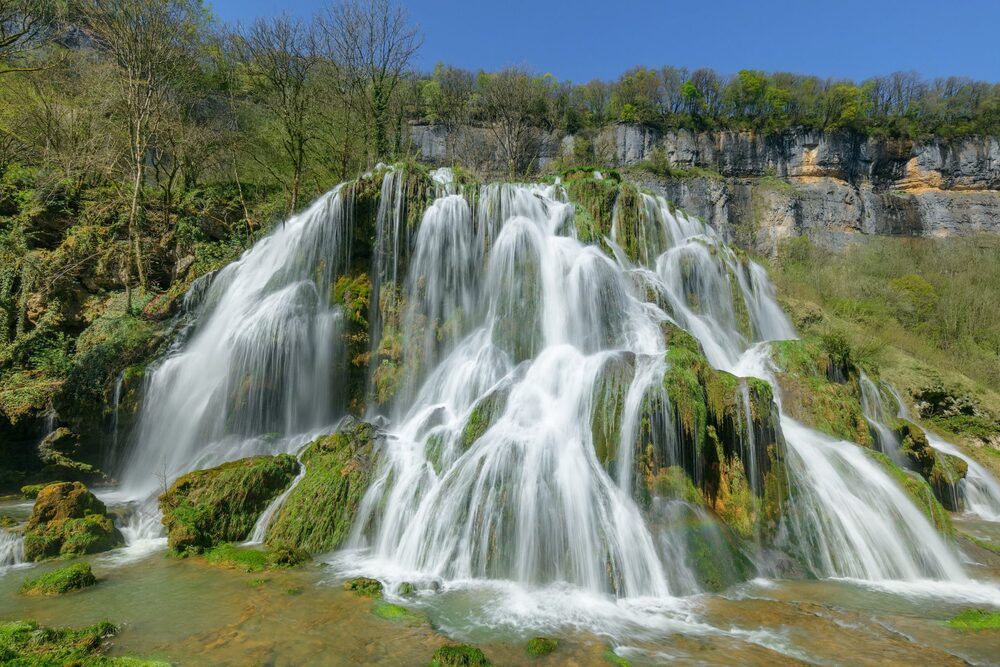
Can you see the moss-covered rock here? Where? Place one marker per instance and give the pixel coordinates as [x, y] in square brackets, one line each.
[539, 646]
[484, 413]
[712, 435]
[459, 655]
[607, 208]
[942, 471]
[816, 391]
[63, 580]
[68, 520]
[209, 507]
[364, 586]
[319, 512]
[29, 644]
[919, 492]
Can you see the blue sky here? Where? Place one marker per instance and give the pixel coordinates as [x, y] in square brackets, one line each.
[585, 39]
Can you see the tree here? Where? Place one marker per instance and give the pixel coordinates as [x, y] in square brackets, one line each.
[282, 59]
[150, 43]
[373, 43]
[24, 26]
[508, 100]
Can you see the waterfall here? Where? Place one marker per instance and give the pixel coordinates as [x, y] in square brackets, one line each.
[11, 550]
[505, 327]
[980, 489]
[257, 364]
[878, 417]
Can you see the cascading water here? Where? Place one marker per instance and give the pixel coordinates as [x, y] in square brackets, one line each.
[507, 326]
[11, 550]
[257, 365]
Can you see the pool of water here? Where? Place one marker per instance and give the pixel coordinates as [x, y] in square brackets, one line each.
[189, 612]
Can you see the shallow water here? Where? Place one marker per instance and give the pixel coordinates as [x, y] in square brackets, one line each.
[192, 613]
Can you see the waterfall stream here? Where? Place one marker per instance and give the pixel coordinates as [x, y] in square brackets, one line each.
[504, 310]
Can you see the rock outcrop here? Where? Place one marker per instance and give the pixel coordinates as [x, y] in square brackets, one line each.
[68, 520]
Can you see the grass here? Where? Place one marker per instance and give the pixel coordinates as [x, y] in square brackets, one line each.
[27, 644]
[975, 619]
[395, 612]
[240, 558]
[60, 581]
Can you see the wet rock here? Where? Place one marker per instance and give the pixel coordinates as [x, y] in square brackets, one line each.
[63, 580]
[222, 504]
[68, 520]
[319, 512]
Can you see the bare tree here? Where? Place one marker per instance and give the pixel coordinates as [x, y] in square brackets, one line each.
[509, 100]
[149, 41]
[24, 26]
[373, 43]
[282, 58]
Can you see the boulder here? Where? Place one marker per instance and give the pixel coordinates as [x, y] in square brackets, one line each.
[68, 520]
[205, 508]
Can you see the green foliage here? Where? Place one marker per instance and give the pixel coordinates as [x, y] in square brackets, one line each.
[539, 646]
[975, 619]
[932, 298]
[459, 655]
[27, 644]
[208, 507]
[63, 580]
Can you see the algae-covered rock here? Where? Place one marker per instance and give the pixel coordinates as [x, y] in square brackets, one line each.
[58, 582]
[364, 586]
[459, 655]
[29, 644]
[319, 512]
[539, 646]
[209, 507]
[68, 520]
[819, 391]
[920, 493]
[710, 438]
[484, 413]
[942, 471]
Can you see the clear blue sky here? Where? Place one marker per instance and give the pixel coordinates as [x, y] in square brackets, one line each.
[586, 39]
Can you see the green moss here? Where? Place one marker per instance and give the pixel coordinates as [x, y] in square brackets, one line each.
[63, 580]
[920, 492]
[209, 507]
[364, 586]
[459, 655]
[239, 558]
[68, 520]
[810, 394]
[31, 490]
[539, 646]
[27, 644]
[395, 612]
[610, 656]
[318, 514]
[975, 619]
[484, 413]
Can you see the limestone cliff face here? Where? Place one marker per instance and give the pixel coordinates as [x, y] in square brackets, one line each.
[832, 186]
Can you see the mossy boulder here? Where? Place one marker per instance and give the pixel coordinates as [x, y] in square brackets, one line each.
[319, 512]
[209, 507]
[942, 471]
[484, 413]
[817, 391]
[539, 646]
[606, 208]
[364, 586]
[920, 492]
[459, 655]
[60, 581]
[29, 644]
[68, 520]
[708, 434]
